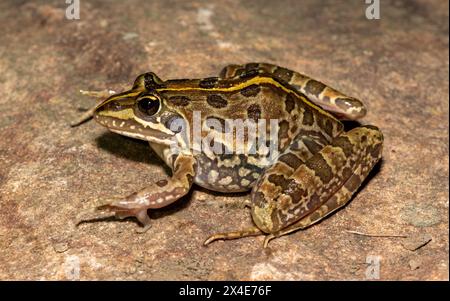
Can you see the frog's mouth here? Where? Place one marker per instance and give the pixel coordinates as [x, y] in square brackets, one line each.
[133, 129]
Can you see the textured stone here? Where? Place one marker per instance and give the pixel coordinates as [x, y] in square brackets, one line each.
[416, 242]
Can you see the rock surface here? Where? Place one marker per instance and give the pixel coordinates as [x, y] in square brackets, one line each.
[49, 171]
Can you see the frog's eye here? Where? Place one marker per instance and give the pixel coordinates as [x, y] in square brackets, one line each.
[148, 105]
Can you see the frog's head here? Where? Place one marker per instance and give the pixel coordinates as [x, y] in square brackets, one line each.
[139, 112]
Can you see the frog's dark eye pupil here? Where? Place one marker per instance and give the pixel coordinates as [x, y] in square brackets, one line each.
[148, 106]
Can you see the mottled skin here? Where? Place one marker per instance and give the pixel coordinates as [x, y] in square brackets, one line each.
[318, 166]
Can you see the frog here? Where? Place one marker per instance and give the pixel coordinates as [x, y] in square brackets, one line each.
[315, 166]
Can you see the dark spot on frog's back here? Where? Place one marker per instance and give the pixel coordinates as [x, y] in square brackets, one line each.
[308, 117]
[290, 103]
[249, 73]
[216, 101]
[238, 72]
[180, 100]
[208, 83]
[283, 132]
[254, 112]
[251, 66]
[326, 124]
[314, 87]
[283, 74]
[251, 91]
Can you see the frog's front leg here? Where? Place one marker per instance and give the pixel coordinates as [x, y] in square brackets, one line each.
[157, 195]
[324, 183]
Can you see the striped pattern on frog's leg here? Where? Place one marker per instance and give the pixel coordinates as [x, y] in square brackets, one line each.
[323, 184]
[343, 195]
[160, 194]
[303, 148]
[341, 105]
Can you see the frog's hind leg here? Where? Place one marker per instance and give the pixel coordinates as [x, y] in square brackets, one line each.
[341, 105]
[297, 153]
[322, 185]
[336, 201]
[323, 180]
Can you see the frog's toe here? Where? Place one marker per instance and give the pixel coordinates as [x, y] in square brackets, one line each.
[253, 231]
[92, 214]
[103, 210]
[119, 208]
[143, 229]
[122, 212]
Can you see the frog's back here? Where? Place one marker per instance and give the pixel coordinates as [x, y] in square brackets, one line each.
[253, 96]
[279, 112]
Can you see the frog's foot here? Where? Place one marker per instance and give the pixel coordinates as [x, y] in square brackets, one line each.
[253, 231]
[90, 112]
[120, 211]
[120, 208]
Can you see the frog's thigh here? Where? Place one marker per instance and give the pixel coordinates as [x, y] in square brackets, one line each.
[336, 201]
[298, 152]
[322, 184]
